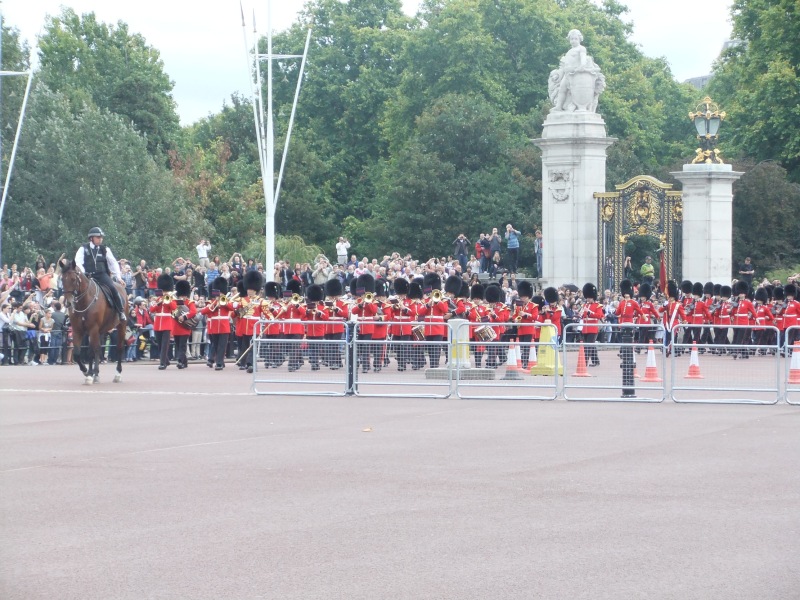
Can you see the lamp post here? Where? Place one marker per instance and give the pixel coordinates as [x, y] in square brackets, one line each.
[707, 120]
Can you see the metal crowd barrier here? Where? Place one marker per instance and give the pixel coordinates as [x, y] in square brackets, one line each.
[300, 366]
[791, 352]
[504, 368]
[630, 370]
[625, 368]
[708, 367]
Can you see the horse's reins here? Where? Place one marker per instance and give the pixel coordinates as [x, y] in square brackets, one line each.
[77, 298]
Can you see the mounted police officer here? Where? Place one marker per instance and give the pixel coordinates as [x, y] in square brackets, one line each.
[98, 262]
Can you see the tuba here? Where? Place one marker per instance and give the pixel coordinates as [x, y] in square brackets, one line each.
[369, 297]
[436, 295]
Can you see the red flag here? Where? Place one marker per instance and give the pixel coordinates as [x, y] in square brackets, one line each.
[662, 271]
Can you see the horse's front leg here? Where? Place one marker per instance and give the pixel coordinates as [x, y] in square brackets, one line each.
[94, 345]
[121, 329]
[78, 348]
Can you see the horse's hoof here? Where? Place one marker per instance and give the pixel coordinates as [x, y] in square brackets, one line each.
[88, 381]
[96, 379]
[117, 378]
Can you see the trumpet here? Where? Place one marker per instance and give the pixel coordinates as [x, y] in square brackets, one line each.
[369, 297]
[167, 297]
[296, 299]
[436, 296]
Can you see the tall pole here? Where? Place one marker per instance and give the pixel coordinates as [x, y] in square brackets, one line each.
[10, 168]
[265, 131]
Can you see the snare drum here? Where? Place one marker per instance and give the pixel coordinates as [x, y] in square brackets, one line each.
[418, 333]
[485, 333]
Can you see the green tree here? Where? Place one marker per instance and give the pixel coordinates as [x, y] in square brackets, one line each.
[112, 68]
[764, 202]
[91, 168]
[757, 83]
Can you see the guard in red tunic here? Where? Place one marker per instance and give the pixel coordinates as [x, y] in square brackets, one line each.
[183, 321]
[708, 300]
[435, 311]
[339, 312]
[525, 314]
[293, 312]
[697, 313]
[744, 315]
[724, 318]
[416, 310]
[592, 314]
[316, 319]
[218, 314]
[791, 316]
[552, 310]
[650, 314]
[161, 308]
[673, 314]
[499, 313]
[764, 318]
[400, 330]
[248, 308]
[365, 311]
[270, 331]
[478, 314]
[380, 333]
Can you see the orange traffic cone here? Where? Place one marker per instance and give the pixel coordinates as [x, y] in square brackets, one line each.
[651, 371]
[581, 372]
[794, 370]
[694, 364]
[532, 361]
[513, 364]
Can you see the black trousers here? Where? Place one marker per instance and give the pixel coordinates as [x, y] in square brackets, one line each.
[434, 349]
[591, 350]
[181, 344]
[333, 350]
[216, 353]
[364, 351]
[162, 339]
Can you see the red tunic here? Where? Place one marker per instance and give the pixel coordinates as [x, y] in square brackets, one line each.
[219, 318]
[628, 310]
[434, 313]
[162, 314]
[744, 312]
[366, 312]
[316, 321]
[179, 328]
[591, 315]
[249, 310]
[673, 315]
[526, 315]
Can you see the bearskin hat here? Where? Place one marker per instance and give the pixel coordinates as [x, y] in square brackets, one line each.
[645, 291]
[525, 289]
[717, 288]
[400, 286]
[762, 295]
[725, 291]
[365, 283]
[240, 288]
[551, 295]
[686, 287]
[164, 282]
[452, 285]
[742, 287]
[626, 287]
[333, 287]
[538, 301]
[431, 282]
[183, 288]
[672, 289]
[272, 290]
[381, 288]
[589, 291]
[464, 291]
[708, 288]
[697, 289]
[253, 280]
[293, 287]
[315, 293]
[353, 286]
[476, 292]
[779, 293]
[220, 285]
[415, 290]
[492, 293]
[790, 289]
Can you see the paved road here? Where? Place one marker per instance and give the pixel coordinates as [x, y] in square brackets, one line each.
[184, 485]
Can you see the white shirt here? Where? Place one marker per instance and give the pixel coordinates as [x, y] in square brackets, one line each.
[113, 265]
[202, 250]
[341, 248]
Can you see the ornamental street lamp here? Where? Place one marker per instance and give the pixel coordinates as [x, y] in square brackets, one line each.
[707, 120]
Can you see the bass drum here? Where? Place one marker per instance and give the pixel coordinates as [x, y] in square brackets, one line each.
[485, 333]
[418, 333]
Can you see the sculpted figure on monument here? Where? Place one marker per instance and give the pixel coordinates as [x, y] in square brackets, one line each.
[577, 82]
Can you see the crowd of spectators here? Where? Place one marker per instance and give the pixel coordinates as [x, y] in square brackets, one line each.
[36, 330]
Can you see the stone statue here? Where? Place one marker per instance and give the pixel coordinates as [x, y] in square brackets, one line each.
[577, 82]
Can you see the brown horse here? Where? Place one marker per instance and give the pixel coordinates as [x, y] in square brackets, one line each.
[90, 315]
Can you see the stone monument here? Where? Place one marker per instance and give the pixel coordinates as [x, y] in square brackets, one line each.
[573, 145]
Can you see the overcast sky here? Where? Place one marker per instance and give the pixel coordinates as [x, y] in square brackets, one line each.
[201, 43]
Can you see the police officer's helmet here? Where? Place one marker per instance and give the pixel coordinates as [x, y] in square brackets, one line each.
[96, 231]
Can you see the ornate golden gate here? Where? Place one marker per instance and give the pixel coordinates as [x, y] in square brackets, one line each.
[642, 206]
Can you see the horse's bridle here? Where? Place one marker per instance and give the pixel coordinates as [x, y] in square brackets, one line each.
[73, 300]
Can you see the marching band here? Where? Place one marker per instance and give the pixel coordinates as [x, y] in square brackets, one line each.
[285, 322]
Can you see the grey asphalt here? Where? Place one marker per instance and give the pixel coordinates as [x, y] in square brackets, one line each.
[185, 485]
